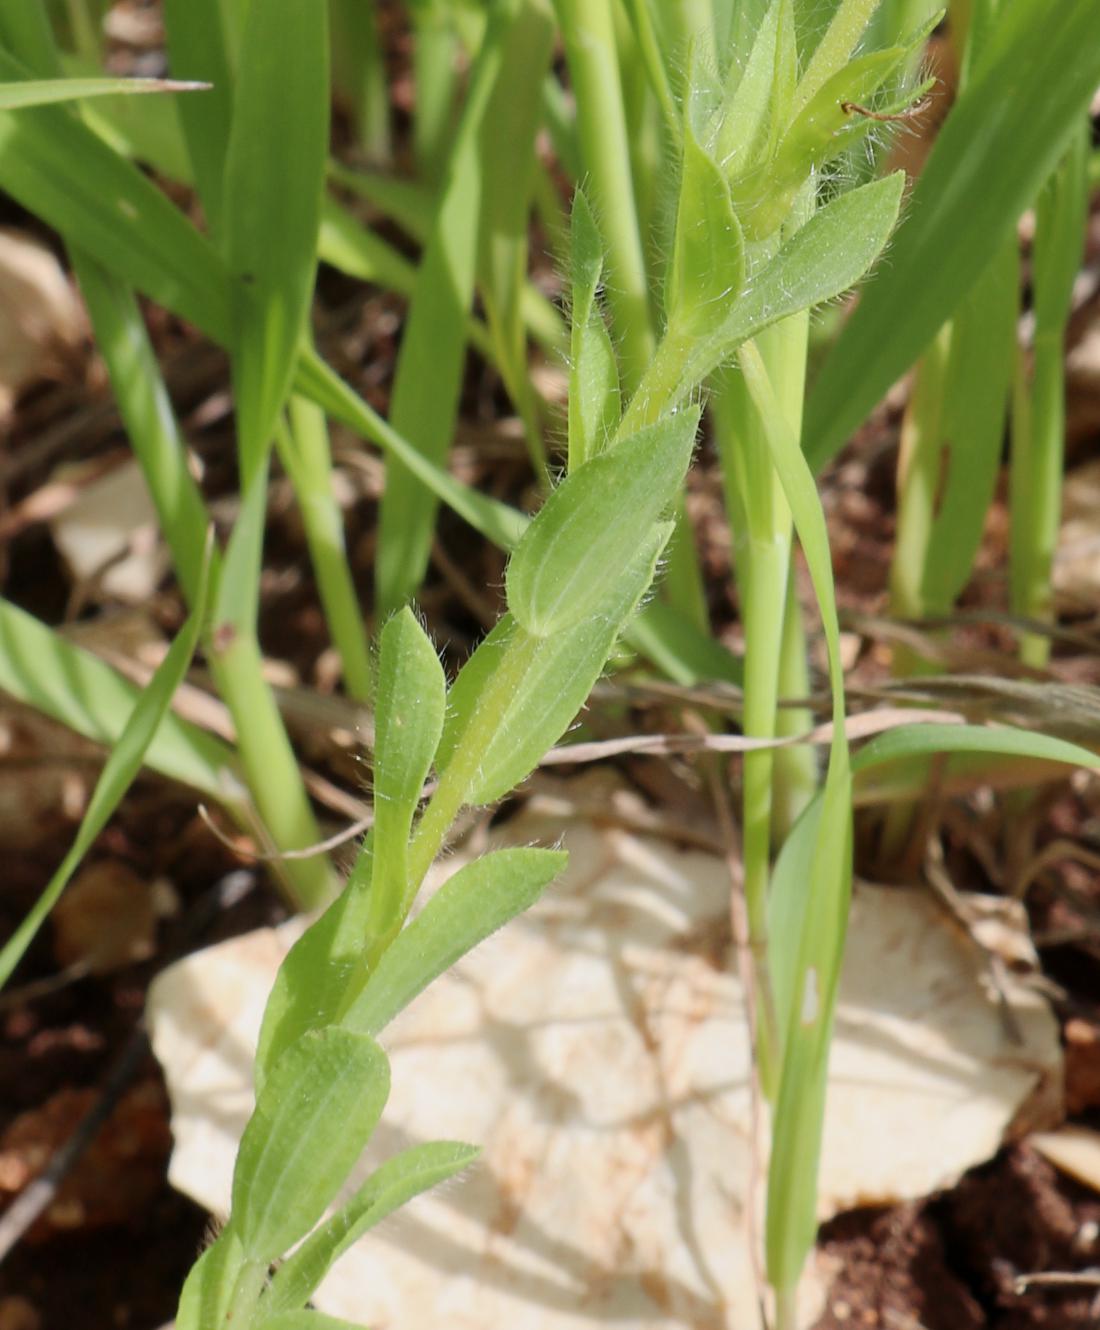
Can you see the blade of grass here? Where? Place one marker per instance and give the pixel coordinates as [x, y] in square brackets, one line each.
[41, 669]
[110, 209]
[197, 44]
[1038, 444]
[807, 1032]
[359, 72]
[434, 343]
[45, 92]
[508, 159]
[122, 766]
[1001, 141]
[146, 410]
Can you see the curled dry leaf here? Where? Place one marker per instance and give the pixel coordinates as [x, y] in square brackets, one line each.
[597, 1048]
[43, 318]
[106, 918]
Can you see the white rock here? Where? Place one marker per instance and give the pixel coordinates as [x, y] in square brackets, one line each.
[597, 1049]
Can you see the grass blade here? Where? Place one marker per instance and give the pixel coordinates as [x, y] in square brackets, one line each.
[122, 765]
[1002, 139]
[433, 347]
[44, 92]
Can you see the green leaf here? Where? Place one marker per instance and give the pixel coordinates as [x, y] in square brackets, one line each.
[584, 536]
[480, 898]
[392, 1185]
[834, 49]
[496, 521]
[811, 997]
[825, 131]
[197, 49]
[707, 270]
[204, 1300]
[43, 670]
[122, 765]
[594, 398]
[274, 177]
[1002, 139]
[821, 260]
[111, 210]
[409, 710]
[523, 692]
[429, 367]
[314, 977]
[973, 408]
[43, 92]
[314, 1115]
[918, 740]
[306, 1320]
[752, 110]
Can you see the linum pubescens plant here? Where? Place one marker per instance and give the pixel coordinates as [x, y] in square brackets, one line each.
[742, 109]
[574, 580]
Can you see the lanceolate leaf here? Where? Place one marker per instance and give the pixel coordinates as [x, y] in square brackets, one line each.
[1000, 142]
[396, 1182]
[525, 691]
[478, 900]
[409, 707]
[586, 533]
[313, 1117]
[62, 680]
[820, 261]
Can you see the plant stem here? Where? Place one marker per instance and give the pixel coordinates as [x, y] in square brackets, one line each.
[795, 769]
[304, 451]
[588, 31]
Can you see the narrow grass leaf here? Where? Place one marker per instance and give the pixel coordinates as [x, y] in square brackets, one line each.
[811, 998]
[111, 210]
[307, 457]
[508, 162]
[429, 367]
[315, 1114]
[197, 49]
[583, 537]
[44, 92]
[470, 906]
[43, 670]
[274, 177]
[122, 765]
[396, 1182]
[917, 740]
[973, 407]
[1002, 139]
[496, 521]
